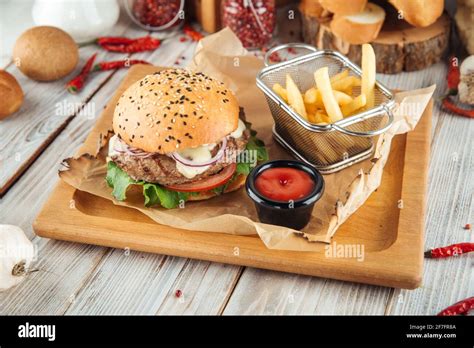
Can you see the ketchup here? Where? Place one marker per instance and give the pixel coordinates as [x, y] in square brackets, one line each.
[284, 184]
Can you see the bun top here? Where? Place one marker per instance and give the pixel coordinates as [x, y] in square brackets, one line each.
[173, 110]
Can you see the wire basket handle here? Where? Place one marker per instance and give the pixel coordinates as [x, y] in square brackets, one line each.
[370, 133]
[266, 59]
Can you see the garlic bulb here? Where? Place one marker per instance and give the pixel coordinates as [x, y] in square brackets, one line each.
[16, 254]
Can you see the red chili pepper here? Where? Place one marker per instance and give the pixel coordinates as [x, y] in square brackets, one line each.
[77, 83]
[193, 34]
[114, 40]
[124, 45]
[449, 105]
[461, 307]
[454, 76]
[118, 64]
[450, 250]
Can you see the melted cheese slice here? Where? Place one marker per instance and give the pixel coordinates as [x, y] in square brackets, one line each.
[239, 131]
[198, 155]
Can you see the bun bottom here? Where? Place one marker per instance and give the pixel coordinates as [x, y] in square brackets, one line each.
[234, 186]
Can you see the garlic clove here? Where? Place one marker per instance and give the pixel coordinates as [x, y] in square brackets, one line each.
[16, 254]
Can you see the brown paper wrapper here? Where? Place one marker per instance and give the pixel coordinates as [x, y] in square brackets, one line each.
[222, 56]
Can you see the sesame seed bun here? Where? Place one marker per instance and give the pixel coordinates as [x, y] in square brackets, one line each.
[173, 110]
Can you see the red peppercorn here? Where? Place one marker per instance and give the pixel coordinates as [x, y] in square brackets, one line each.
[157, 13]
[467, 227]
[178, 293]
[252, 21]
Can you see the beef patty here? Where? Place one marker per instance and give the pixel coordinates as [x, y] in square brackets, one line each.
[161, 169]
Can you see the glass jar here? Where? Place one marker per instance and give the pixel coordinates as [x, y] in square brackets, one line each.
[156, 15]
[253, 21]
[84, 20]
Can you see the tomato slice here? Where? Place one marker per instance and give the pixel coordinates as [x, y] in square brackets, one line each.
[208, 183]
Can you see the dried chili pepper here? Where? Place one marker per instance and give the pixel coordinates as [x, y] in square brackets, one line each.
[193, 34]
[125, 45]
[117, 64]
[77, 83]
[461, 307]
[450, 250]
[114, 40]
[449, 105]
[454, 76]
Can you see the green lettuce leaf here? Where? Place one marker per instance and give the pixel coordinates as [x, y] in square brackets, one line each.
[154, 194]
[118, 180]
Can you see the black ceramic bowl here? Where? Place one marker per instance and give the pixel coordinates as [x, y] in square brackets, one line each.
[295, 214]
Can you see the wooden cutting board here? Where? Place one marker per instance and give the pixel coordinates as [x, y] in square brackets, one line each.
[392, 237]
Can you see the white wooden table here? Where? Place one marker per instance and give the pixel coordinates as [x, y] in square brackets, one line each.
[85, 279]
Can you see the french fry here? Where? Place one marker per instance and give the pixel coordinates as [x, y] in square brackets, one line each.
[313, 100]
[368, 74]
[345, 83]
[322, 118]
[295, 99]
[311, 108]
[311, 117]
[342, 98]
[323, 83]
[278, 89]
[355, 104]
[339, 76]
[311, 96]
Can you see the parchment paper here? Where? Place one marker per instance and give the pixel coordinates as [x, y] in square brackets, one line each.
[222, 56]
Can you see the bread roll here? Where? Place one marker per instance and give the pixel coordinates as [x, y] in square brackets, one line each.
[420, 13]
[465, 22]
[344, 7]
[359, 28]
[45, 53]
[311, 8]
[11, 94]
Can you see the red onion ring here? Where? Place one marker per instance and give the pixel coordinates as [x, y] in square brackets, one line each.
[177, 157]
[132, 151]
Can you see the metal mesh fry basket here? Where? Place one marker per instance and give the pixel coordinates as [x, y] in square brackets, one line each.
[329, 148]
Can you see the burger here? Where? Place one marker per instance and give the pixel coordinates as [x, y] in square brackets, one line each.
[182, 136]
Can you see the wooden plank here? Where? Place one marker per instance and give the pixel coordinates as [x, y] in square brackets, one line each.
[62, 267]
[272, 293]
[94, 221]
[451, 189]
[151, 284]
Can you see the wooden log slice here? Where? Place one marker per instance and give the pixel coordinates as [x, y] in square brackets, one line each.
[398, 47]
